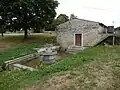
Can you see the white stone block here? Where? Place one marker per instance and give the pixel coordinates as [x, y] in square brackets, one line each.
[19, 66]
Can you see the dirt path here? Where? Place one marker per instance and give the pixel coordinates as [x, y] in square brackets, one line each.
[97, 75]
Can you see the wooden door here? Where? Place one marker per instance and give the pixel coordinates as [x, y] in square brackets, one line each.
[78, 39]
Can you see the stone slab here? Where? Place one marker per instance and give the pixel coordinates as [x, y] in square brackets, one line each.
[19, 66]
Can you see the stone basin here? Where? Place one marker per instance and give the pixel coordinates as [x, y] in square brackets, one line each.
[49, 57]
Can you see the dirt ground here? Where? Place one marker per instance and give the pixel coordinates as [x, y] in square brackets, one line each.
[13, 40]
[97, 75]
[4, 46]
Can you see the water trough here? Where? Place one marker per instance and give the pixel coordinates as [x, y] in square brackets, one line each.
[47, 55]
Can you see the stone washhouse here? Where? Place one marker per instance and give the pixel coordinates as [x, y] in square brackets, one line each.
[80, 33]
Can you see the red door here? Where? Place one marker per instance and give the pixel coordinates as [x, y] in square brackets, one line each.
[78, 39]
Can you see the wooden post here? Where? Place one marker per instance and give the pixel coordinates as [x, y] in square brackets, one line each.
[113, 40]
[113, 35]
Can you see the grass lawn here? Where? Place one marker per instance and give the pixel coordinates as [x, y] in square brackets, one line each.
[15, 46]
[95, 68]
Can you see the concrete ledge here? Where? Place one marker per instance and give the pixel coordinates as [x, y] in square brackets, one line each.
[21, 60]
[19, 66]
[40, 50]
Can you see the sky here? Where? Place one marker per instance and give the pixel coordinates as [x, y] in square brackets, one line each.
[104, 11]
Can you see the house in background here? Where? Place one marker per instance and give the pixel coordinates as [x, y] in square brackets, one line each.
[80, 33]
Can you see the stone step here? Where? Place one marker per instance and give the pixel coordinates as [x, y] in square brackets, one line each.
[72, 51]
[75, 49]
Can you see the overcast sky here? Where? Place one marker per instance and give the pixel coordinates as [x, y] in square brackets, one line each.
[105, 11]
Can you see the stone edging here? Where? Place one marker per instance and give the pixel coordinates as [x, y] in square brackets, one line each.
[21, 60]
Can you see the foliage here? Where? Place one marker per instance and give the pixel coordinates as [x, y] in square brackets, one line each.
[2, 26]
[72, 16]
[62, 18]
[18, 79]
[27, 14]
[12, 53]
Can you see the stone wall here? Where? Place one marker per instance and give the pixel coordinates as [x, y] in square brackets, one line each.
[94, 36]
[89, 38]
[90, 30]
[65, 39]
[20, 60]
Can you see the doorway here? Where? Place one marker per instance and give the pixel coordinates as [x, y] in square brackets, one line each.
[78, 39]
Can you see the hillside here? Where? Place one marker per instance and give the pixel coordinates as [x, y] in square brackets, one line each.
[95, 68]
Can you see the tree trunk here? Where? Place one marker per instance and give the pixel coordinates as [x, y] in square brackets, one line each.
[2, 34]
[25, 34]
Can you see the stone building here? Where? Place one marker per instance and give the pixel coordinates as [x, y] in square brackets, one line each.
[80, 33]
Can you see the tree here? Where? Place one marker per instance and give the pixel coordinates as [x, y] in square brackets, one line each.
[2, 30]
[1, 27]
[62, 18]
[27, 14]
[3, 5]
[51, 26]
[72, 16]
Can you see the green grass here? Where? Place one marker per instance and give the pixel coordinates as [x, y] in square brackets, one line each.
[23, 47]
[43, 38]
[18, 51]
[14, 80]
